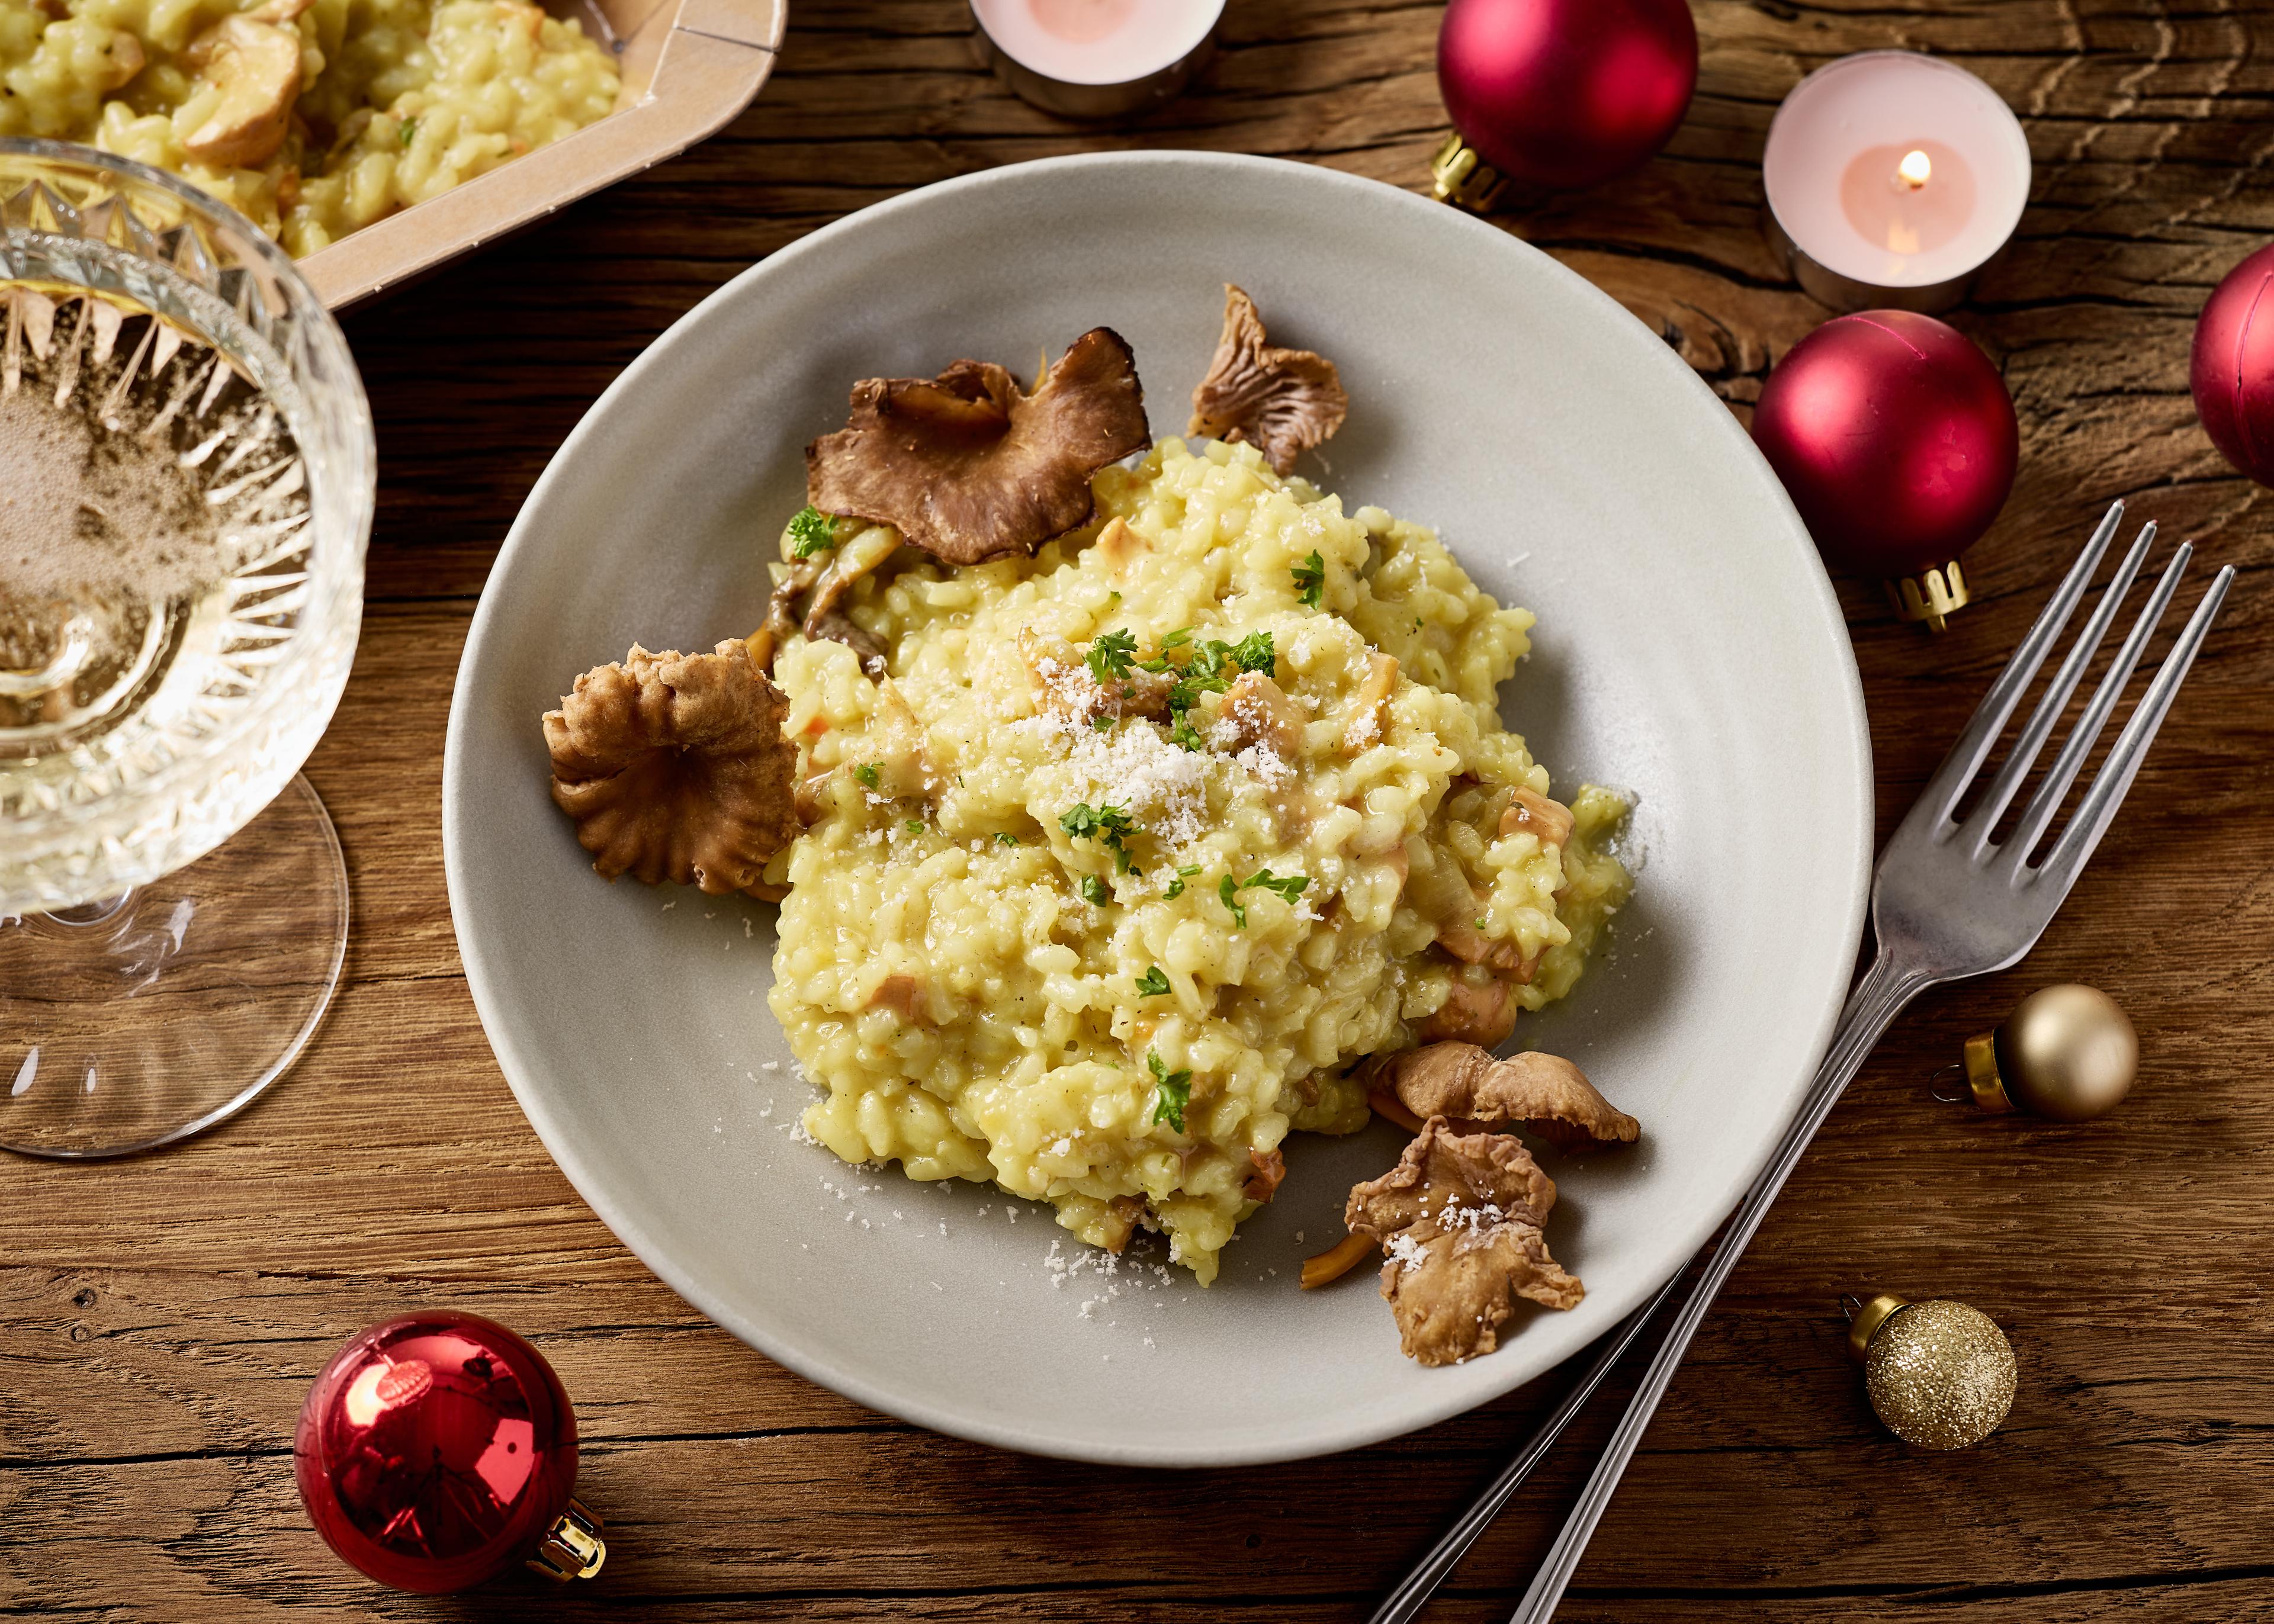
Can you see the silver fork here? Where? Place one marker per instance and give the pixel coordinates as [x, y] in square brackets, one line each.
[1947, 903]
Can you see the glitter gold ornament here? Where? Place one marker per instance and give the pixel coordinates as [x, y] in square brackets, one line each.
[1940, 1374]
[2066, 1052]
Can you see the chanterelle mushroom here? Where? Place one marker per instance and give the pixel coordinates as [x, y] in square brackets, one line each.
[1544, 1093]
[1460, 1217]
[255, 67]
[674, 767]
[969, 467]
[1283, 402]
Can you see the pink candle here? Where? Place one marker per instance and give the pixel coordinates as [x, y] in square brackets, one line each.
[1892, 177]
[1096, 57]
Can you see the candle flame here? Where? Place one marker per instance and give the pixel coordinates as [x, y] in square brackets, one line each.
[1913, 171]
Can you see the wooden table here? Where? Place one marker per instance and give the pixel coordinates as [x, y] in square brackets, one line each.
[159, 1320]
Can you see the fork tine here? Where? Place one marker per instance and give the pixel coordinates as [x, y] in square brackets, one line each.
[2045, 804]
[2101, 802]
[1997, 707]
[2024, 753]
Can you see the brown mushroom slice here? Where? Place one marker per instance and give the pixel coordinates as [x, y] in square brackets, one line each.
[674, 767]
[781, 612]
[966, 466]
[1260, 713]
[1369, 717]
[1064, 687]
[1460, 1217]
[255, 67]
[1550, 820]
[1283, 402]
[1474, 1012]
[1266, 1169]
[904, 997]
[1465, 942]
[824, 620]
[1544, 1094]
[1123, 1215]
[124, 59]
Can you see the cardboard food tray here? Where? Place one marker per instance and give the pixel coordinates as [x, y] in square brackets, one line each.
[689, 66]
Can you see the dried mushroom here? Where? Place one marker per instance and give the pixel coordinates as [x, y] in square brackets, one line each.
[969, 467]
[1460, 1217]
[674, 767]
[1545, 1094]
[1283, 402]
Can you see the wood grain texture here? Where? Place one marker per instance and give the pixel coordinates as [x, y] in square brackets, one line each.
[159, 1321]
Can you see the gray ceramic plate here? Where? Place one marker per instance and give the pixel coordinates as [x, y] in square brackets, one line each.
[1689, 649]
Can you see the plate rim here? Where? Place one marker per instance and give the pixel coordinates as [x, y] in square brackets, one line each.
[988, 1429]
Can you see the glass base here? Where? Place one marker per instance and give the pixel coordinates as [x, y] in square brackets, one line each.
[135, 1022]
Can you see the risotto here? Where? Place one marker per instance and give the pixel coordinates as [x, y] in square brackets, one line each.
[1108, 955]
[312, 117]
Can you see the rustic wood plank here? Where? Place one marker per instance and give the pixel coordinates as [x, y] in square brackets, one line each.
[159, 1321]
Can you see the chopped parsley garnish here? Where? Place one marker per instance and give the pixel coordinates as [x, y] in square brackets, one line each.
[915, 825]
[1176, 885]
[1005, 838]
[1254, 652]
[409, 128]
[1112, 655]
[1153, 983]
[1109, 825]
[1112, 601]
[810, 532]
[1289, 886]
[1093, 890]
[866, 773]
[1104, 724]
[1173, 1091]
[1208, 668]
[1310, 579]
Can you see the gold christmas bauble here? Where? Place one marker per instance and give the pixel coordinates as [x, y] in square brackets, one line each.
[1941, 1375]
[2066, 1052]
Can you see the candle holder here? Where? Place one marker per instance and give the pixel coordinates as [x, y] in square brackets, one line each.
[1893, 179]
[1094, 58]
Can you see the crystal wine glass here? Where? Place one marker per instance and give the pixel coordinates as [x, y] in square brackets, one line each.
[186, 481]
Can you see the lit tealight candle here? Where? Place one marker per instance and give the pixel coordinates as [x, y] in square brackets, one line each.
[1892, 179]
[1096, 58]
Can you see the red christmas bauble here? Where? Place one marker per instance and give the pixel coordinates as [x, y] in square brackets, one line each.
[1563, 93]
[437, 1450]
[1894, 437]
[2231, 370]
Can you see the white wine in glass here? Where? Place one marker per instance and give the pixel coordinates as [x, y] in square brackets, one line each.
[186, 482]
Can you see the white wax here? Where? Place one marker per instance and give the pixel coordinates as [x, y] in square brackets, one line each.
[1096, 41]
[1891, 103]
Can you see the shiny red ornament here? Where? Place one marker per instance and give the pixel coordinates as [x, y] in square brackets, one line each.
[1563, 93]
[438, 1449]
[2231, 370]
[1895, 439]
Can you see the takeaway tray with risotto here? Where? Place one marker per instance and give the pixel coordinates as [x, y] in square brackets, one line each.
[1128, 817]
[312, 118]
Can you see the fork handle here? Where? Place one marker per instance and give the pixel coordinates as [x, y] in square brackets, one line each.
[1885, 988]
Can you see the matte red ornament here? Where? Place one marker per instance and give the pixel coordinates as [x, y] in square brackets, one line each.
[1896, 440]
[1563, 93]
[438, 1449]
[2231, 370]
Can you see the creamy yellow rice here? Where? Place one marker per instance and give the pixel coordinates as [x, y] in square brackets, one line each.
[401, 100]
[971, 1015]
